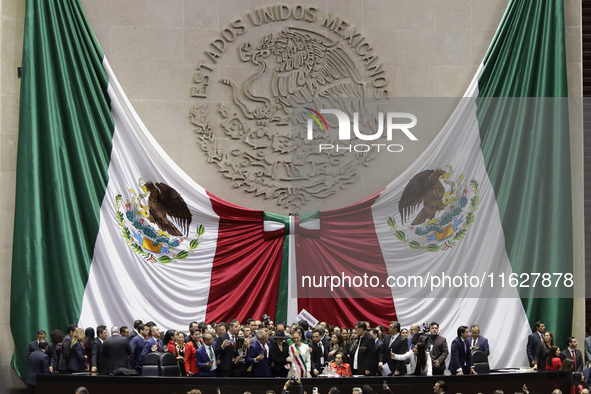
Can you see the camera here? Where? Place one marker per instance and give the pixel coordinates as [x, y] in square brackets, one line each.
[292, 381]
[266, 319]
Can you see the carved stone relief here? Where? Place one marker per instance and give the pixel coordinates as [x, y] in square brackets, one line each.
[254, 130]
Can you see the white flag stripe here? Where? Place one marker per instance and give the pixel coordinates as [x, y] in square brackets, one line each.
[481, 252]
[122, 285]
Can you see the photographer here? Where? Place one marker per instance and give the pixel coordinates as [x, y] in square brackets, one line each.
[295, 383]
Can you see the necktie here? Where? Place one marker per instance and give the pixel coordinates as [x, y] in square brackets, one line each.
[574, 359]
[159, 345]
[322, 354]
[233, 342]
[465, 351]
[264, 350]
[212, 358]
[474, 343]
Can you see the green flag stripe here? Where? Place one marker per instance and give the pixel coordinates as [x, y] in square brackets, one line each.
[525, 144]
[281, 311]
[65, 135]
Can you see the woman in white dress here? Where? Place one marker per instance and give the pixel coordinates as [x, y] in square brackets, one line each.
[299, 356]
[420, 362]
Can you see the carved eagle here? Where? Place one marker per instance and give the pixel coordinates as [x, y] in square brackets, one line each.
[426, 188]
[165, 201]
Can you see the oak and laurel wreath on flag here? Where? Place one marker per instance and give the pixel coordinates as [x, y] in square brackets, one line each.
[448, 244]
[146, 255]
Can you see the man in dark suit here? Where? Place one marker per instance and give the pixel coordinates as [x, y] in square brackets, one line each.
[33, 346]
[137, 346]
[461, 356]
[98, 361]
[65, 358]
[319, 352]
[224, 349]
[205, 357]
[363, 352]
[153, 344]
[437, 347]
[375, 333]
[135, 331]
[259, 357]
[477, 341]
[573, 353]
[394, 343]
[116, 350]
[38, 364]
[534, 341]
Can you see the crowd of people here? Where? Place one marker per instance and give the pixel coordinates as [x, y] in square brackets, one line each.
[265, 349]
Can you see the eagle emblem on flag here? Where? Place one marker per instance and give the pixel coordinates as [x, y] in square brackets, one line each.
[440, 208]
[156, 223]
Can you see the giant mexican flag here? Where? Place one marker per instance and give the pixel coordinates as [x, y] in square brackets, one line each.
[112, 230]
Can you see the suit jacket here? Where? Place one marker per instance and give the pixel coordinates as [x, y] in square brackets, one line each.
[132, 335]
[190, 351]
[399, 346]
[366, 357]
[588, 349]
[98, 359]
[76, 363]
[33, 346]
[461, 357]
[38, 364]
[201, 360]
[379, 354]
[261, 368]
[151, 345]
[116, 350]
[317, 354]
[579, 358]
[482, 344]
[439, 352]
[225, 355]
[533, 344]
[135, 358]
[278, 357]
[66, 351]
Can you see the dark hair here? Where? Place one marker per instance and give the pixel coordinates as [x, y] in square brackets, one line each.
[136, 324]
[304, 324]
[202, 327]
[122, 329]
[550, 355]
[248, 321]
[320, 332]
[240, 342]
[366, 389]
[342, 355]
[72, 327]
[433, 323]
[363, 325]
[461, 330]
[140, 327]
[191, 324]
[100, 329]
[567, 365]
[150, 324]
[89, 335]
[339, 337]
[421, 356]
[539, 323]
[570, 340]
[43, 345]
[41, 332]
[56, 336]
[441, 383]
[168, 336]
[334, 390]
[396, 325]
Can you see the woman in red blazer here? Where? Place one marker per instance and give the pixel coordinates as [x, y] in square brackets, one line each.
[340, 367]
[553, 361]
[190, 351]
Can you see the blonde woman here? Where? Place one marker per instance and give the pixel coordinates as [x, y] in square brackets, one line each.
[77, 356]
[299, 357]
